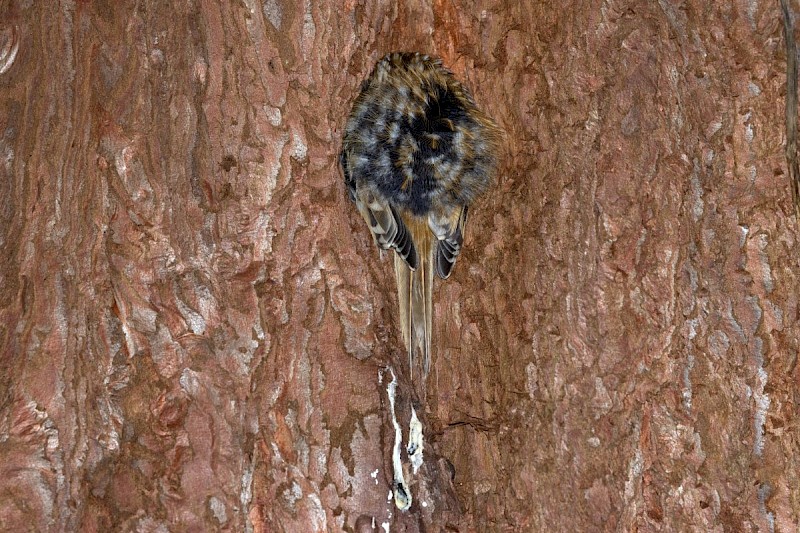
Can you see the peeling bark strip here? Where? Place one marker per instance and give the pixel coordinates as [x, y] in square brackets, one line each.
[791, 105]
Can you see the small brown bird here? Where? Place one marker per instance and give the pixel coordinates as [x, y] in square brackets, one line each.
[416, 152]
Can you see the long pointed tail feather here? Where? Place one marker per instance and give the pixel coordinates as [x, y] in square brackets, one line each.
[403, 277]
[422, 300]
[415, 295]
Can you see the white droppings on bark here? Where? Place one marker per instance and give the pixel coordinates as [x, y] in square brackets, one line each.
[402, 496]
[415, 441]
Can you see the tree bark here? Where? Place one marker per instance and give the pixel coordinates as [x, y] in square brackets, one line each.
[197, 332]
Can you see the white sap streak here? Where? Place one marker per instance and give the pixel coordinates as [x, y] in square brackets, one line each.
[402, 497]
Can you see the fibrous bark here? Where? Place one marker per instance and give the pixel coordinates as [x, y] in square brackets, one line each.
[196, 329]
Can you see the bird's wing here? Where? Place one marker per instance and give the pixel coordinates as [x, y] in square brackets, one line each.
[449, 232]
[388, 229]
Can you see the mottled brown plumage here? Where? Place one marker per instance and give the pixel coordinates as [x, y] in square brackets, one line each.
[416, 152]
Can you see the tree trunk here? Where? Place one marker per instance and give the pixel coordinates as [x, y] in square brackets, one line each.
[197, 332]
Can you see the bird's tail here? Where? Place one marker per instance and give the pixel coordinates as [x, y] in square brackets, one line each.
[415, 294]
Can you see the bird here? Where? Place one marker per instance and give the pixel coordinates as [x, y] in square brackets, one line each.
[416, 153]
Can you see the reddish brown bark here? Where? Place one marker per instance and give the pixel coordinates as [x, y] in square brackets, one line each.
[193, 317]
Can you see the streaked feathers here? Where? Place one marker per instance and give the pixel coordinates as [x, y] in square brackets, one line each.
[449, 240]
[416, 152]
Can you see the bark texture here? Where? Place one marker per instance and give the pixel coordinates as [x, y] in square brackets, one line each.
[194, 322]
